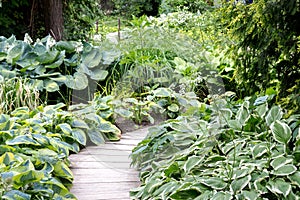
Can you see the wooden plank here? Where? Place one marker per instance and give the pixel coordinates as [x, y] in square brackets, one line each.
[104, 171]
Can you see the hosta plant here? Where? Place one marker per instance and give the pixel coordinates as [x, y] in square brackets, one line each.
[222, 151]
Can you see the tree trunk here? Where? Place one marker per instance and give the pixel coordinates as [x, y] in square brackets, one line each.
[54, 22]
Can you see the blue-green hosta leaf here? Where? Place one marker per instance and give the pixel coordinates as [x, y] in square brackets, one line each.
[110, 56]
[66, 128]
[192, 162]
[51, 86]
[238, 185]
[16, 195]
[6, 148]
[79, 135]
[108, 127]
[55, 185]
[7, 158]
[92, 58]
[78, 123]
[281, 132]
[48, 57]
[14, 53]
[78, 81]
[62, 170]
[274, 114]
[98, 74]
[250, 195]
[280, 161]
[214, 182]
[22, 139]
[96, 136]
[187, 193]
[295, 178]
[279, 186]
[65, 45]
[285, 170]
[27, 177]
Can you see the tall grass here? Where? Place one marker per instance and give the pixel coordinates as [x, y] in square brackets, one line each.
[17, 92]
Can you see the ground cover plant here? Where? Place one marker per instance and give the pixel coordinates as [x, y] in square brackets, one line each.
[222, 151]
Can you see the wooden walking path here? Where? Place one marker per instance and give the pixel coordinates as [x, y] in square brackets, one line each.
[104, 172]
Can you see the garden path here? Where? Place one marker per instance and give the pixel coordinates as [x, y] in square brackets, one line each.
[104, 172]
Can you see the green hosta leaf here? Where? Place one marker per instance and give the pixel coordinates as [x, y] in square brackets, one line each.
[27, 177]
[285, 170]
[92, 58]
[62, 170]
[173, 107]
[235, 124]
[238, 185]
[78, 81]
[274, 114]
[279, 186]
[79, 136]
[51, 86]
[57, 63]
[24, 166]
[222, 196]
[66, 128]
[281, 132]
[280, 161]
[16, 195]
[191, 163]
[214, 183]
[22, 139]
[95, 136]
[250, 195]
[123, 112]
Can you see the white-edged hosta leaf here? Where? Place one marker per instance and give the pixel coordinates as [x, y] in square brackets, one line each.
[259, 149]
[221, 196]
[239, 184]
[66, 128]
[214, 183]
[26, 177]
[250, 195]
[281, 132]
[191, 163]
[274, 114]
[279, 186]
[295, 178]
[280, 161]
[285, 170]
[242, 114]
[262, 110]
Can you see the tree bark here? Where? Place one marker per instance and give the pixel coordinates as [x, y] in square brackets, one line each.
[54, 22]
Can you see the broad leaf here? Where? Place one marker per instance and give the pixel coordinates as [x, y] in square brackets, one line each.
[279, 186]
[274, 114]
[16, 195]
[192, 162]
[214, 183]
[281, 132]
[238, 185]
[285, 170]
[79, 136]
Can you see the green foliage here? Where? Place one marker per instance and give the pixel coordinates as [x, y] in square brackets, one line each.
[17, 92]
[80, 18]
[137, 7]
[56, 68]
[265, 36]
[169, 6]
[221, 151]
